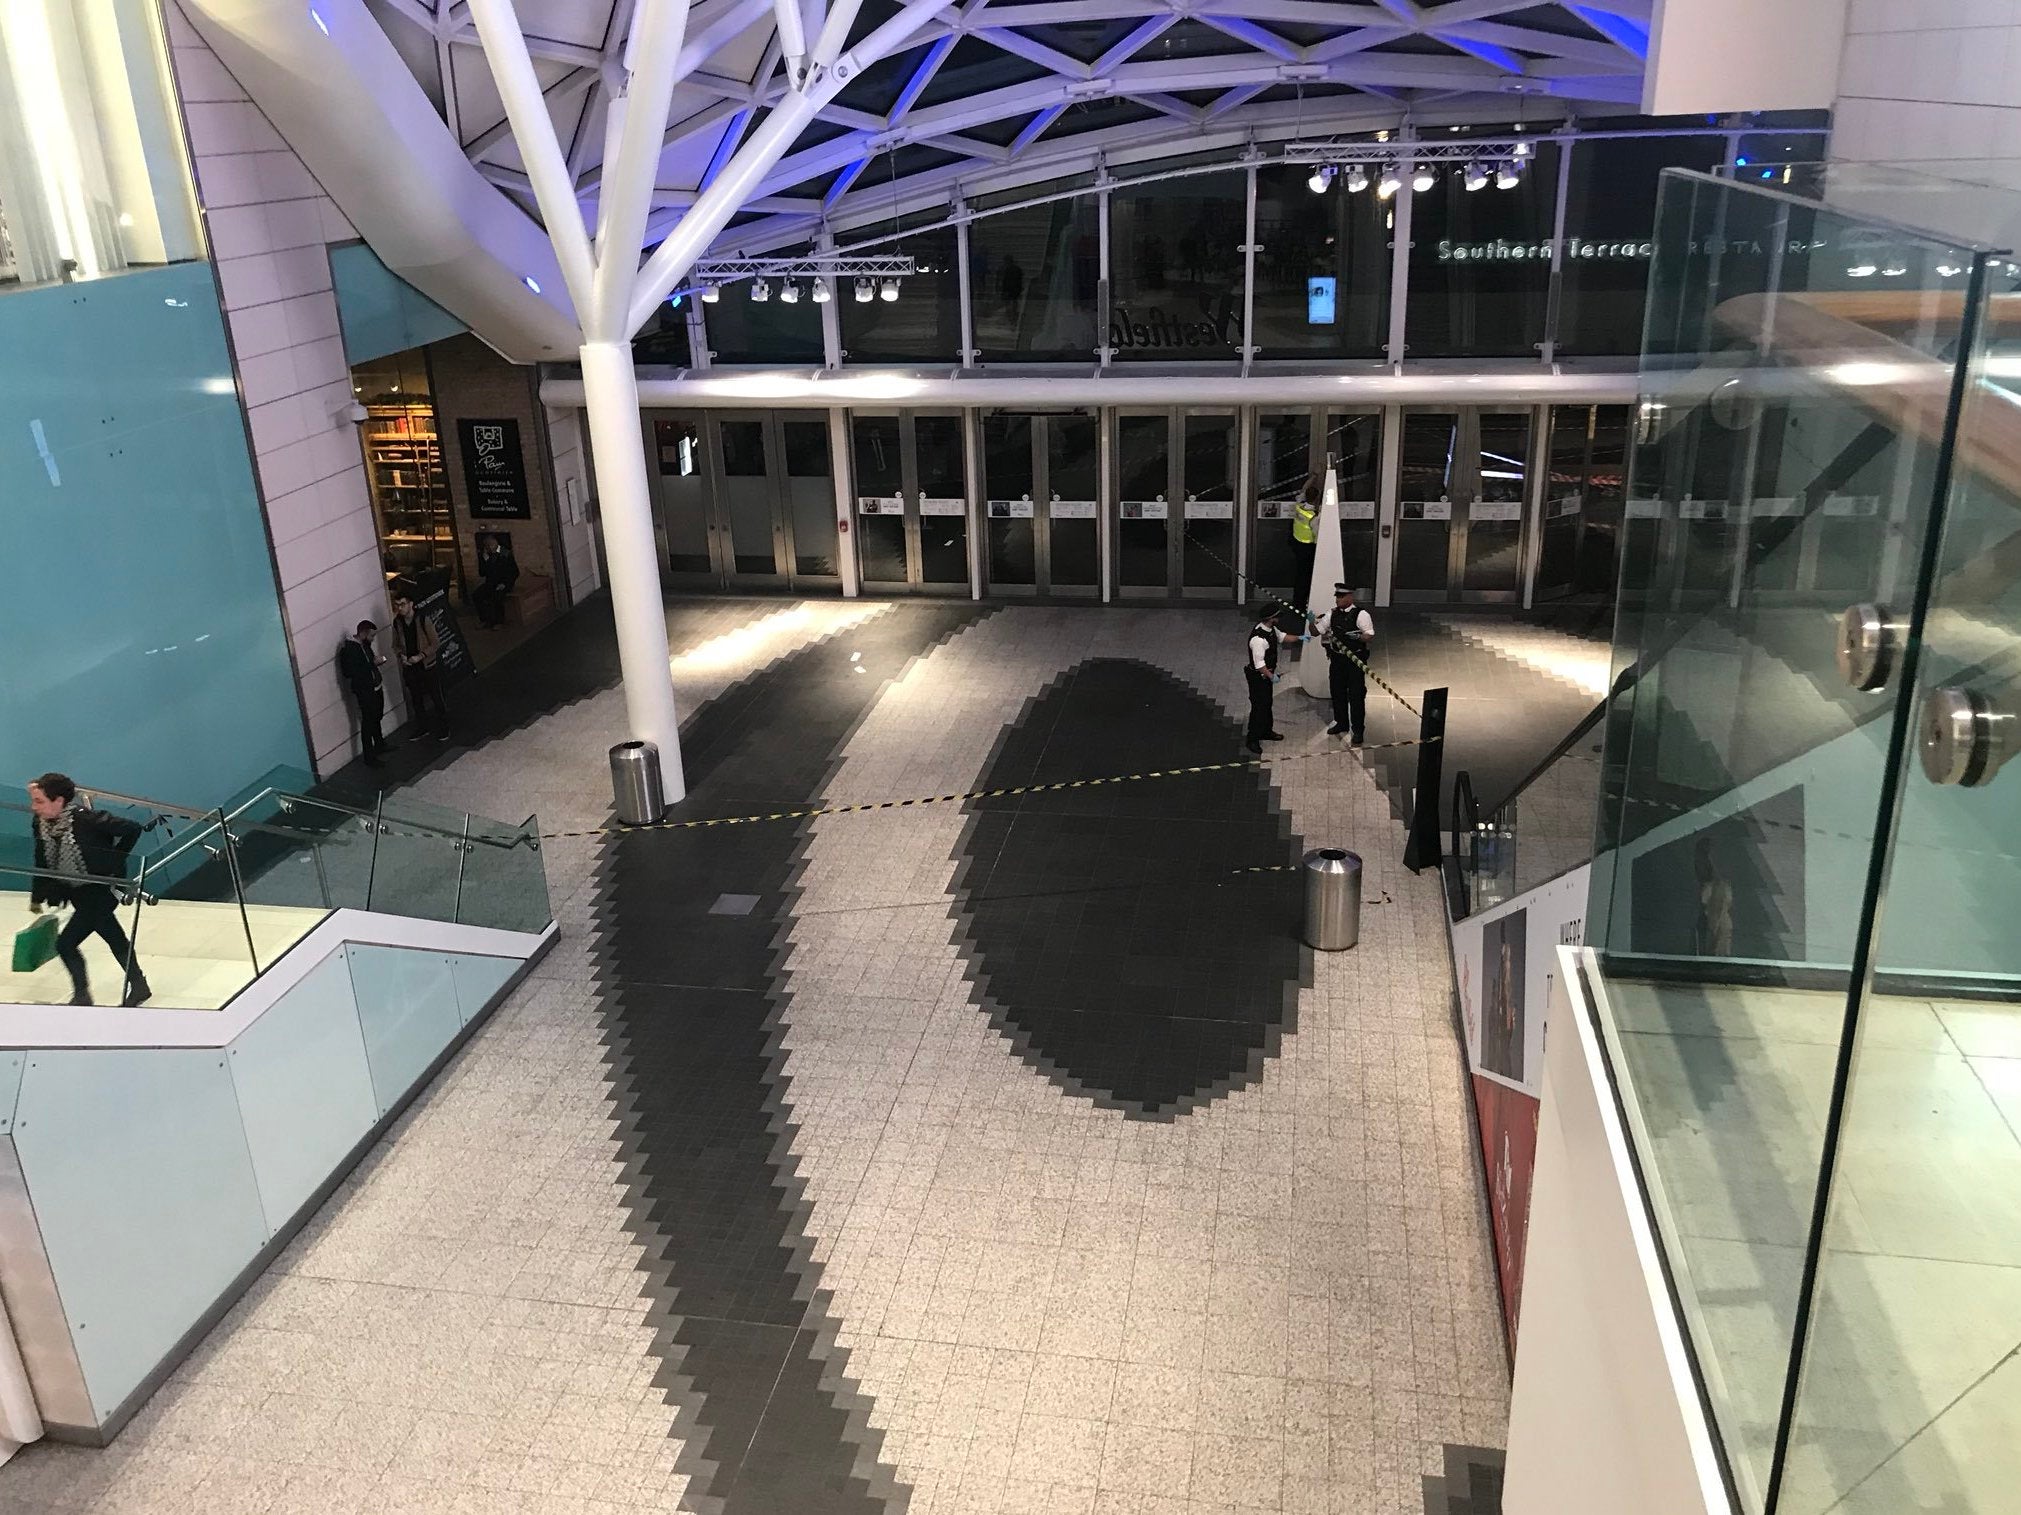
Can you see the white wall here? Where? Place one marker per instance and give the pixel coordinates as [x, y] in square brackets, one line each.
[1604, 1418]
[567, 444]
[1929, 81]
[270, 226]
[1739, 55]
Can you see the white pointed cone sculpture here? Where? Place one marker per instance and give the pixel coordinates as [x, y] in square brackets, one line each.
[1327, 568]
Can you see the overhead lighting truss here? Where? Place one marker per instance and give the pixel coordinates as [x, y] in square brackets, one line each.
[720, 271]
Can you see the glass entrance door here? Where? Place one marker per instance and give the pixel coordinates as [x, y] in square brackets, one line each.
[1144, 488]
[1175, 504]
[1206, 538]
[1583, 492]
[1040, 504]
[1463, 490]
[911, 501]
[744, 498]
[1292, 446]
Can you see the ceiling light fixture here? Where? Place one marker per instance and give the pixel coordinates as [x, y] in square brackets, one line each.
[1320, 177]
[822, 294]
[1476, 176]
[760, 291]
[1508, 175]
[1392, 181]
[789, 292]
[888, 291]
[1424, 178]
[711, 293]
[866, 291]
[1357, 179]
[1861, 271]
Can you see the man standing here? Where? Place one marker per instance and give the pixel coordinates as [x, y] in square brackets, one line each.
[420, 651]
[1305, 540]
[358, 664]
[497, 572]
[83, 843]
[1346, 632]
[1260, 671]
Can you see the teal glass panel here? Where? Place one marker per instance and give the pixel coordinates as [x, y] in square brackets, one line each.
[504, 878]
[478, 979]
[380, 312]
[418, 859]
[407, 1009]
[144, 1190]
[304, 1088]
[142, 600]
[11, 1066]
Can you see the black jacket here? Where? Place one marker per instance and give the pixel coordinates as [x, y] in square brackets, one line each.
[103, 839]
[358, 667]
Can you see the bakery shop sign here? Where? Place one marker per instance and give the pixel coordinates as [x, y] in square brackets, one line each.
[1216, 324]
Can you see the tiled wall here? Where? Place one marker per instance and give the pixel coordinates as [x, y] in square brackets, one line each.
[1930, 80]
[270, 226]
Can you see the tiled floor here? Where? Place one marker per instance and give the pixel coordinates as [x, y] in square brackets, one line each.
[965, 1158]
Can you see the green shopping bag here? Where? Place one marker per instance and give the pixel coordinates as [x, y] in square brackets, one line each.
[35, 943]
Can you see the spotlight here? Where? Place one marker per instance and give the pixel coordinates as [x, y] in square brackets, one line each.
[789, 292]
[1895, 269]
[1949, 270]
[760, 291]
[1476, 176]
[1861, 271]
[711, 294]
[1524, 149]
[1321, 176]
[1357, 179]
[889, 290]
[822, 294]
[1392, 181]
[865, 291]
[1508, 175]
[1424, 178]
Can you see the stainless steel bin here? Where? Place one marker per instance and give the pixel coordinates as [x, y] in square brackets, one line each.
[635, 783]
[1332, 899]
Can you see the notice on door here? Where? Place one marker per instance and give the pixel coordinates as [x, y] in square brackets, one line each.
[1425, 510]
[494, 469]
[1496, 510]
[1071, 510]
[1357, 510]
[1146, 510]
[1010, 510]
[1210, 510]
[940, 505]
[880, 505]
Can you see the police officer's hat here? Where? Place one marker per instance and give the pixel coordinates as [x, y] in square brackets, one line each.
[1341, 591]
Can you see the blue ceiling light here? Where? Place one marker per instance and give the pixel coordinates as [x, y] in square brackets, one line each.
[317, 17]
[1741, 161]
[530, 282]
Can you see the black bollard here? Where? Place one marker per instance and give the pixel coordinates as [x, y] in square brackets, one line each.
[1424, 848]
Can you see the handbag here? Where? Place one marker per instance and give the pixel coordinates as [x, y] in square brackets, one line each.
[35, 943]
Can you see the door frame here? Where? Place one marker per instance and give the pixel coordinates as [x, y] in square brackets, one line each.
[911, 496]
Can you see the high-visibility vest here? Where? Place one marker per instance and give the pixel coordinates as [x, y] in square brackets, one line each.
[1302, 518]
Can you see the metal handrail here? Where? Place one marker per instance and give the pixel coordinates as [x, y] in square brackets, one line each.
[121, 886]
[373, 818]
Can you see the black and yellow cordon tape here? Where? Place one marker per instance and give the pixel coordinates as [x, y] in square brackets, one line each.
[865, 807]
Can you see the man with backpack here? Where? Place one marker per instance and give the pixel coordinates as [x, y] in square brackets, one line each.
[83, 844]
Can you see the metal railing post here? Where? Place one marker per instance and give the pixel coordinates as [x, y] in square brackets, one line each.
[462, 860]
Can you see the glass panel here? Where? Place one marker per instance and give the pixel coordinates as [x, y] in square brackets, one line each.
[408, 1011]
[747, 497]
[684, 493]
[418, 861]
[1610, 216]
[1480, 263]
[1072, 469]
[504, 878]
[1208, 547]
[772, 330]
[1283, 461]
[1425, 487]
[191, 938]
[1742, 790]
[1143, 486]
[1009, 508]
[1910, 1397]
[1033, 276]
[1495, 515]
[1175, 253]
[943, 499]
[1355, 444]
[664, 341]
[301, 853]
[1339, 239]
[923, 324]
[810, 497]
[880, 490]
[96, 180]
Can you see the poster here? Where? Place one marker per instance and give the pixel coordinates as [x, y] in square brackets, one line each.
[1505, 960]
[494, 469]
[453, 663]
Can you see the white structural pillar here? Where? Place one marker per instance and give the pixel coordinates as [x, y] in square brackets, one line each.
[1314, 671]
[610, 388]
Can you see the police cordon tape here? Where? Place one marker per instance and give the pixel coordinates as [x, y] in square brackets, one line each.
[865, 807]
[1307, 617]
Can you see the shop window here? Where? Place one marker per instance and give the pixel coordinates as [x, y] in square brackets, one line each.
[1480, 262]
[1175, 253]
[403, 466]
[1322, 267]
[923, 324]
[1610, 221]
[88, 189]
[1033, 277]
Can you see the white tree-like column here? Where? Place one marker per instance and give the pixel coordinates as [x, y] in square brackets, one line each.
[614, 293]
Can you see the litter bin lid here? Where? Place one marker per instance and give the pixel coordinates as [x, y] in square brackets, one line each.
[633, 747]
[1333, 859]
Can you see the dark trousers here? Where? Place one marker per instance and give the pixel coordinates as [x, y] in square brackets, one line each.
[1349, 687]
[489, 598]
[371, 711]
[1261, 691]
[1302, 554]
[94, 912]
[425, 705]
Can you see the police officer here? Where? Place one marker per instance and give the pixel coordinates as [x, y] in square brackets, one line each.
[1305, 540]
[1346, 632]
[1259, 669]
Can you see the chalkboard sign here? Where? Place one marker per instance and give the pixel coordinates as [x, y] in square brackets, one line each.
[452, 659]
[494, 469]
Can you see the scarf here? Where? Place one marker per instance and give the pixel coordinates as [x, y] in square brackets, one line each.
[59, 843]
